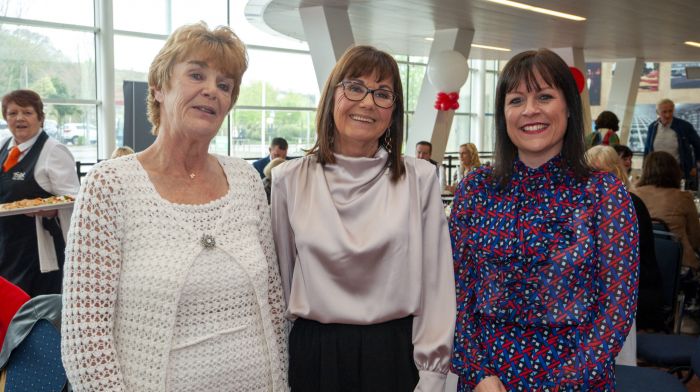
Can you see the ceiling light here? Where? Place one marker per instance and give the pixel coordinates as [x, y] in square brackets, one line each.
[693, 43]
[490, 47]
[429, 39]
[538, 9]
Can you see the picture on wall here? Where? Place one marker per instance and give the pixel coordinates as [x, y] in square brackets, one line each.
[593, 71]
[650, 77]
[679, 79]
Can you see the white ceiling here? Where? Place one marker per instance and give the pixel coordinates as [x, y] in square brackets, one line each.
[653, 30]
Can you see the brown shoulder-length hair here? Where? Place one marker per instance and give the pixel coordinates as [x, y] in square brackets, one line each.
[355, 62]
[524, 67]
[662, 170]
[24, 98]
[220, 47]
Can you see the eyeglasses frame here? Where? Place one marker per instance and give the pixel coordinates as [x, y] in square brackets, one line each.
[369, 91]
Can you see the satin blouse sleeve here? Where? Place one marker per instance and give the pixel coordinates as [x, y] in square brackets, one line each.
[282, 231]
[433, 327]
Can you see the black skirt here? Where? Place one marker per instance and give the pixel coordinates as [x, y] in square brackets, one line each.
[352, 358]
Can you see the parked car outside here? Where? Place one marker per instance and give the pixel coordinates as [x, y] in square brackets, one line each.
[51, 129]
[75, 133]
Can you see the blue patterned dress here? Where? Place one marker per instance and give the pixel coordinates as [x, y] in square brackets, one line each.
[546, 272]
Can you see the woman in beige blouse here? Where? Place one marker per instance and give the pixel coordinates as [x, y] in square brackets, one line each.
[363, 244]
[659, 188]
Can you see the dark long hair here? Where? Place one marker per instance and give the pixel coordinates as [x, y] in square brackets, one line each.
[361, 61]
[525, 67]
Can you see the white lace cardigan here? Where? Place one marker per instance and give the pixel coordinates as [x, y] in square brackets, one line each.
[126, 262]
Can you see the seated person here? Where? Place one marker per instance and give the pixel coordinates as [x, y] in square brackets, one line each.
[278, 149]
[659, 188]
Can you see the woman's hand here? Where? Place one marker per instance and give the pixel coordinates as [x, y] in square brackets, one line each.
[490, 384]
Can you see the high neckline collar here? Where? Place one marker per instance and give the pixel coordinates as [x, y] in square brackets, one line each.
[360, 169]
[551, 166]
[551, 172]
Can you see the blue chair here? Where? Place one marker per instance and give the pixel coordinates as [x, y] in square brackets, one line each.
[641, 379]
[31, 355]
[672, 351]
[695, 358]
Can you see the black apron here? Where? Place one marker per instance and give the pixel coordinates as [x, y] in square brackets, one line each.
[19, 253]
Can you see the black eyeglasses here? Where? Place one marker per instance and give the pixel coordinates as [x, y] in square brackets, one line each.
[356, 92]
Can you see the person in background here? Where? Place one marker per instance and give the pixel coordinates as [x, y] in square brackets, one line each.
[545, 251]
[121, 151]
[33, 165]
[606, 126]
[659, 188]
[424, 150]
[172, 280]
[678, 138]
[278, 149]
[625, 154]
[363, 245]
[650, 315]
[468, 161]
[267, 181]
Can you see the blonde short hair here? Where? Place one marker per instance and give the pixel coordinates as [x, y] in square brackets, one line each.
[220, 47]
[121, 151]
[606, 159]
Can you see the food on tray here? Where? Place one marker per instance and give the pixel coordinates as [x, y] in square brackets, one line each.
[38, 202]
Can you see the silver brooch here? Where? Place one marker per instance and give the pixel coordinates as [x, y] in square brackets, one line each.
[207, 241]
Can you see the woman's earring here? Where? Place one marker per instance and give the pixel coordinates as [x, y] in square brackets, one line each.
[387, 141]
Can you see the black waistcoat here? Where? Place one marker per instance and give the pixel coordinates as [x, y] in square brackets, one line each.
[19, 254]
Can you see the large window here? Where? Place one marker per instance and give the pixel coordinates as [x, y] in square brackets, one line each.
[45, 48]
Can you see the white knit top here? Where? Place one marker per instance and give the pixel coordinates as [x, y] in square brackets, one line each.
[148, 307]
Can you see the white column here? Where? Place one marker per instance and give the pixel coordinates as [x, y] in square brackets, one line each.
[329, 34]
[429, 123]
[574, 58]
[106, 115]
[623, 93]
[477, 135]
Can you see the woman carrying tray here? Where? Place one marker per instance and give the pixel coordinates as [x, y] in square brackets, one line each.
[33, 165]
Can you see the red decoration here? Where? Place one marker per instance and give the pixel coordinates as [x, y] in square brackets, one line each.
[579, 78]
[445, 101]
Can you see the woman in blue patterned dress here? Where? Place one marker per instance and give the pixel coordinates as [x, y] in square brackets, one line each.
[545, 251]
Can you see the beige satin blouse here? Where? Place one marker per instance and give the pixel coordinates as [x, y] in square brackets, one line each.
[356, 248]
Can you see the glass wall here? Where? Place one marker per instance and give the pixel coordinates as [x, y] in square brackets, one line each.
[46, 49]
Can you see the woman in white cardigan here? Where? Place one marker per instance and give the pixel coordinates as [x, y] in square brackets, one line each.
[171, 276]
